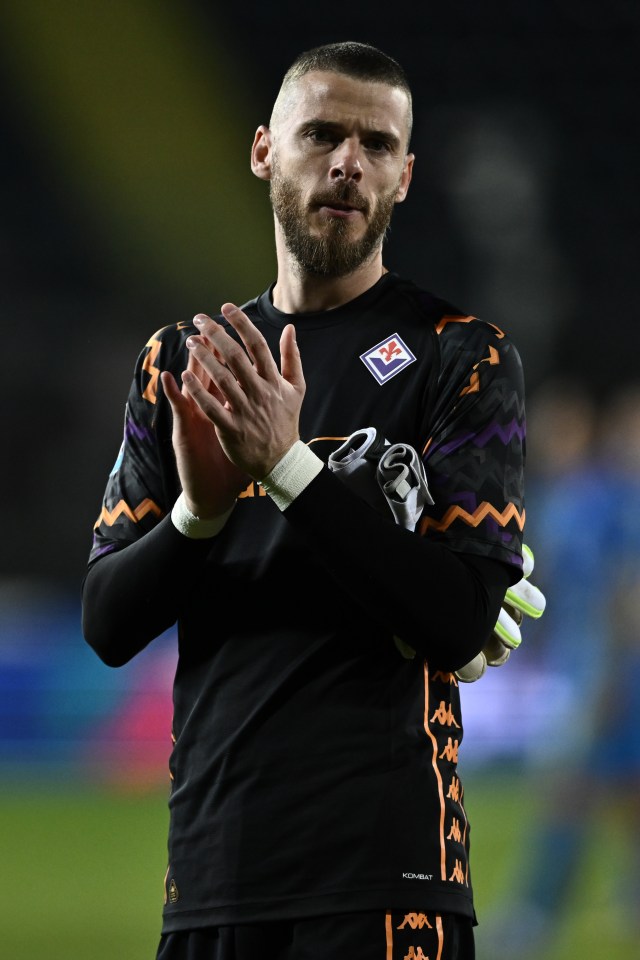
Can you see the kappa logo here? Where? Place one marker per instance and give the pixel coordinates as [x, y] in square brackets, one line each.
[450, 751]
[455, 833]
[444, 716]
[387, 358]
[415, 953]
[416, 921]
[454, 789]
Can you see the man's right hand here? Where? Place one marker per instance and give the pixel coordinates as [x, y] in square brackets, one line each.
[210, 482]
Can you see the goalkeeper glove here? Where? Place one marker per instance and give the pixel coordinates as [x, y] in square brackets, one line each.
[522, 599]
[385, 475]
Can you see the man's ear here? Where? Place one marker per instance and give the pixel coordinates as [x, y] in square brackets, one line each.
[261, 153]
[405, 179]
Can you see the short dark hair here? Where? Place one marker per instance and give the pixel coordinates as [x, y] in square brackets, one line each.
[362, 61]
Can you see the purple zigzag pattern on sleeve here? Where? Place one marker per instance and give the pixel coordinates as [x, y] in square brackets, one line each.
[140, 433]
[481, 439]
[506, 433]
[108, 548]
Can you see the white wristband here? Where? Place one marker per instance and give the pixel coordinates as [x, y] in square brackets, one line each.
[292, 474]
[193, 527]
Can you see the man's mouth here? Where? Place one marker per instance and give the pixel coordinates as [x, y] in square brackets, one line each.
[339, 205]
[339, 208]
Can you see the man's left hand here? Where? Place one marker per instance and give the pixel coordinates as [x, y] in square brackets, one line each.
[520, 601]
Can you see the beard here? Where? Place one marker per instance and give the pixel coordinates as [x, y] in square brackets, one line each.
[332, 254]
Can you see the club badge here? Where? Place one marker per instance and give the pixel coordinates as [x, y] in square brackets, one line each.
[387, 358]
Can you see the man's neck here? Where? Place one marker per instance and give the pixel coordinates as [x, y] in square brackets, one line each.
[296, 292]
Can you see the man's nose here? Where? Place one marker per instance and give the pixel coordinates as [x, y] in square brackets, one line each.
[346, 162]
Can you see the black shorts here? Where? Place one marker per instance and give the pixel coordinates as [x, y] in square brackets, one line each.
[350, 936]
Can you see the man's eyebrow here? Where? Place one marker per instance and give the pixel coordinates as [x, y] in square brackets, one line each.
[316, 123]
[334, 126]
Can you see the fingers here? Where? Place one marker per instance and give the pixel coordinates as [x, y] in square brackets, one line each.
[172, 391]
[239, 373]
[526, 598]
[256, 358]
[224, 361]
[181, 400]
[216, 409]
[508, 630]
[496, 652]
[290, 362]
[195, 367]
[528, 561]
[256, 345]
[473, 670]
[208, 374]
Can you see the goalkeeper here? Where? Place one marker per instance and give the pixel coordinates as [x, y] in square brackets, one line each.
[316, 805]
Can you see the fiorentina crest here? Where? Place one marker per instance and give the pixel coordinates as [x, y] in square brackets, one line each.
[387, 358]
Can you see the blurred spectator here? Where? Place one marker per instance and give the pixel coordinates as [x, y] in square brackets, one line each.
[584, 522]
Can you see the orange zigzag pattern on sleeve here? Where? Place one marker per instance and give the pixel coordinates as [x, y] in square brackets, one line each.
[123, 509]
[151, 390]
[449, 318]
[475, 519]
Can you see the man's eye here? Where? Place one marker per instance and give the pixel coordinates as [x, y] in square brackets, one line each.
[377, 146]
[321, 136]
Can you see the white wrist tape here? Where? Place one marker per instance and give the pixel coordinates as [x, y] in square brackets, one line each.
[292, 474]
[194, 527]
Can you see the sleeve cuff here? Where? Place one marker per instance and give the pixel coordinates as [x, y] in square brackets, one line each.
[194, 527]
[292, 474]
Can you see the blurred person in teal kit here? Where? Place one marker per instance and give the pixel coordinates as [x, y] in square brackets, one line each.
[584, 491]
[614, 762]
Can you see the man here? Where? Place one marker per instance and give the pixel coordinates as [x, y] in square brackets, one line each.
[316, 806]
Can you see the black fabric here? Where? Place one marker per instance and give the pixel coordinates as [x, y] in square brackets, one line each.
[314, 769]
[148, 579]
[465, 591]
[361, 936]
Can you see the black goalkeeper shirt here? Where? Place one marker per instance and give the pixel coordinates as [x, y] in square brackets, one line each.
[314, 769]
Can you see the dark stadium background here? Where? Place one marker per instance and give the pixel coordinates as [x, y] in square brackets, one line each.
[128, 204]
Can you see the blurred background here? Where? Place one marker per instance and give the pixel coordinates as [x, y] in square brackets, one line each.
[128, 204]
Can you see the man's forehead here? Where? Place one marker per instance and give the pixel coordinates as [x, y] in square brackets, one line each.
[331, 96]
